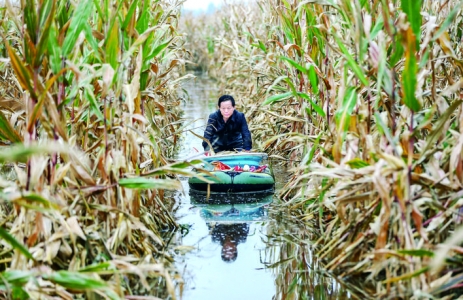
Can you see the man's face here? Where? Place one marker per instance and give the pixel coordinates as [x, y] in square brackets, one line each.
[226, 109]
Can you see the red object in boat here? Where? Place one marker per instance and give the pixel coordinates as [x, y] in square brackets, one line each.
[260, 169]
[220, 166]
[238, 169]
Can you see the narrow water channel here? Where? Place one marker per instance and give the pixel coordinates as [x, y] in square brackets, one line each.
[243, 251]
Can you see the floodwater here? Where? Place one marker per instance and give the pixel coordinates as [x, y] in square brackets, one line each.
[250, 250]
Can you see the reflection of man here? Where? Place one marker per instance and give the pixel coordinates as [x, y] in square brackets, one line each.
[229, 236]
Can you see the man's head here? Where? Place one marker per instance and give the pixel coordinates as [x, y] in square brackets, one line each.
[229, 250]
[226, 106]
[224, 98]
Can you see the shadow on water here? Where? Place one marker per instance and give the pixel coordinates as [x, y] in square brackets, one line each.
[242, 246]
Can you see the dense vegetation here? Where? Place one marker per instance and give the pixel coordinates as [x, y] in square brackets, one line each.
[363, 99]
[88, 119]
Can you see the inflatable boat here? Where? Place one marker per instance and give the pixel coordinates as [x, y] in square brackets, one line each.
[241, 172]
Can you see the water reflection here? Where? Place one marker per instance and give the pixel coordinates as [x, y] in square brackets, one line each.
[229, 223]
[229, 236]
[291, 243]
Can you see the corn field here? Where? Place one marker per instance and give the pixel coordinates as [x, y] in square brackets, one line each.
[363, 99]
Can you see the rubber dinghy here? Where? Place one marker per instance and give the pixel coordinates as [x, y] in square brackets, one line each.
[241, 172]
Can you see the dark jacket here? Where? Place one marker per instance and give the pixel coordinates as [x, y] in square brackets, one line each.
[233, 135]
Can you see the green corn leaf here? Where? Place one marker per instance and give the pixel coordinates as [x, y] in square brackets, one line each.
[210, 45]
[75, 280]
[182, 168]
[262, 46]
[79, 19]
[315, 106]
[21, 153]
[150, 40]
[143, 80]
[313, 79]
[47, 8]
[19, 293]
[93, 102]
[5, 235]
[31, 20]
[98, 9]
[101, 267]
[314, 148]
[413, 11]
[345, 110]
[424, 59]
[112, 46]
[15, 277]
[409, 80]
[150, 183]
[140, 40]
[357, 163]
[416, 252]
[377, 28]
[277, 98]
[91, 40]
[62, 14]
[143, 21]
[129, 15]
[397, 52]
[7, 132]
[159, 49]
[382, 128]
[34, 198]
[54, 50]
[47, 15]
[294, 64]
[288, 33]
[350, 60]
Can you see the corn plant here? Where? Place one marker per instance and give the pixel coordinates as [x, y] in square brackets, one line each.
[82, 206]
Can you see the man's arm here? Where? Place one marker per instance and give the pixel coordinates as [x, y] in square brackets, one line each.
[211, 128]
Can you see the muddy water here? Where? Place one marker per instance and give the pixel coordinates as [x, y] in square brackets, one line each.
[252, 250]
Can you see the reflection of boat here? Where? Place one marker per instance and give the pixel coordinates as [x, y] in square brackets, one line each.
[202, 198]
[229, 223]
[246, 173]
[235, 212]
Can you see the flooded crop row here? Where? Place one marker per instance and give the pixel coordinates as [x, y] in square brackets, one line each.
[241, 246]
